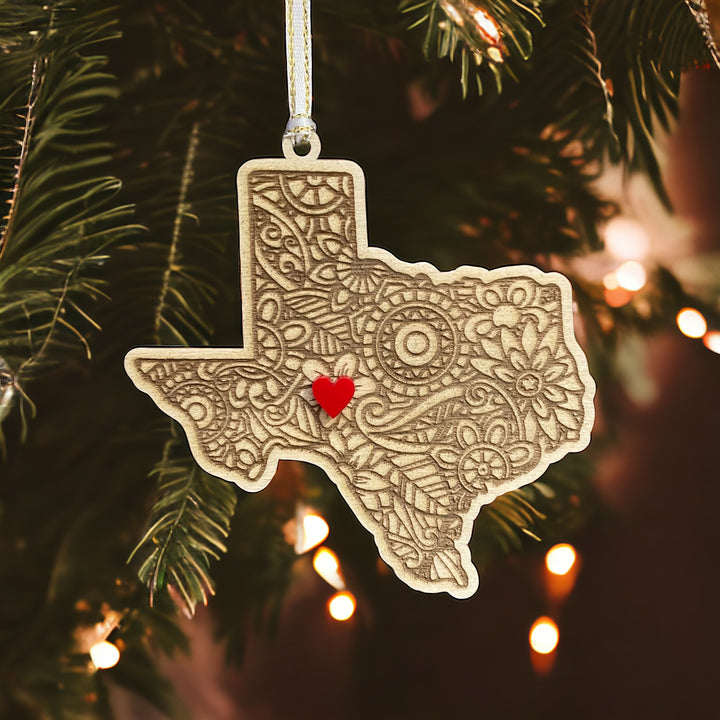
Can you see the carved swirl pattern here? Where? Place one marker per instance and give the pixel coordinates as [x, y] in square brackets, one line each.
[465, 388]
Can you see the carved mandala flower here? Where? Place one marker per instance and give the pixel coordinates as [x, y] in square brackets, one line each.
[486, 459]
[506, 306]
[542, 377]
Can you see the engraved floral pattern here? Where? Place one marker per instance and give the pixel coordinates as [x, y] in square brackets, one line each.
[468, 384]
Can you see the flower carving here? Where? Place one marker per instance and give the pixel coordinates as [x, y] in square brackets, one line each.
[540, 373]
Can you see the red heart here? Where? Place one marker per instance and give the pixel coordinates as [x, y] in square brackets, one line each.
[333, 397]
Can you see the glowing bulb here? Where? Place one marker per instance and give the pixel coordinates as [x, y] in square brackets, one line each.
[327, 566]
[312, 532]
[544, 636]
[487, 26]
[691, 323]
[325, 561]
[104, 655]
[631, 276]
[560, 559]
[610, 281]
[464, 14]
[712, 341]
[618, 297]
[341, 606]
[626, 239]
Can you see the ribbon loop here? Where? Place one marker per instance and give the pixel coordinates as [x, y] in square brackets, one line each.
[298, 42]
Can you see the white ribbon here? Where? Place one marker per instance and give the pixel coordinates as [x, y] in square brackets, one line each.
[298, 41]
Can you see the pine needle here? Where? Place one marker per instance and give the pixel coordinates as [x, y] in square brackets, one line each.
[187, 529]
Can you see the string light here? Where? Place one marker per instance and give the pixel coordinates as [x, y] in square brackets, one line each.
[104, 655]
[312, 530]
[327, 566]
[691, 322]
[631, 276]
[487, 26]
[544, 636]
[560, 559]
[470, 17]
[711, 340]
[341, 606]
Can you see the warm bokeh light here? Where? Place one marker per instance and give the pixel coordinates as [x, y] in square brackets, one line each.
[325, 561]
[618, 297]
[341, 605]
[631, 276]
[626, 239]
[327, 566]
[544, 636]
[104, 655]
[313, 532]
[560, 559]
[487, 26]
[712, 341]
[691, 323]
[610, 281]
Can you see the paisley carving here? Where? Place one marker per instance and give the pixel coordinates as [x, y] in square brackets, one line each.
[468, 383]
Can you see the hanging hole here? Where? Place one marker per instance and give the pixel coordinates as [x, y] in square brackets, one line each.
[306, 149]
[302, 148]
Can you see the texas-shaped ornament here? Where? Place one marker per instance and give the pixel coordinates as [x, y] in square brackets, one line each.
[456, 386]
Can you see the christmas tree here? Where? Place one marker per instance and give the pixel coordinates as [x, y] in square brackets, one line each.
[491, 133]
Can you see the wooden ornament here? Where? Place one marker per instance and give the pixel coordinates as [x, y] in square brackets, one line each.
[467, 384]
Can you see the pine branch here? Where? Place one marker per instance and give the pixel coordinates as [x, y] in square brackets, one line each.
[173, 251]
[22, 155]
[645, 46]
[187, 529]
[61, 215]
[495, 36]
[178, 269]
[585, 105]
